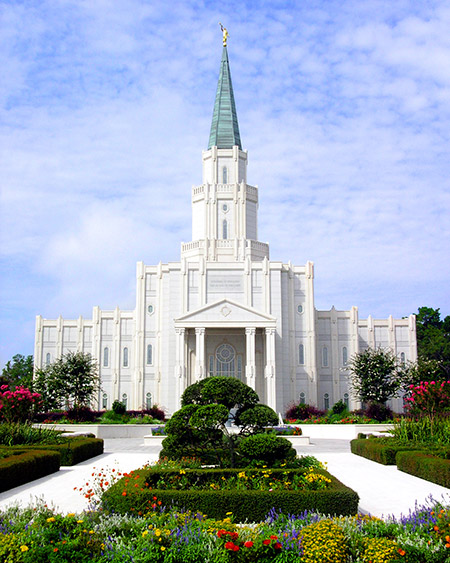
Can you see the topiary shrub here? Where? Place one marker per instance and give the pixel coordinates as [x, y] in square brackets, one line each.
[266, 449]
[200, 428]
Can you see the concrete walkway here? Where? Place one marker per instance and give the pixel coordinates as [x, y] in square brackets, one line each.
[383, 490]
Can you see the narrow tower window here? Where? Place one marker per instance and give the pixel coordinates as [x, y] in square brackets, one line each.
[105, 357]
[125, 357]
[47, 359]
[346, 400]
[301, 354]
[149, 354]
[225, 175]
[302, 398]
[124, 400]
[326, 401]
[148, 401]
[224, 229]
[325, 357]
[403, 358]
[344, 356]
[104, 401]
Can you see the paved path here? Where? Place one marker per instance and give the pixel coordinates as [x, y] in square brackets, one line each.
[383, 490]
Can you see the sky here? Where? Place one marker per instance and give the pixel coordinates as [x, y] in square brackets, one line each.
[106, 105]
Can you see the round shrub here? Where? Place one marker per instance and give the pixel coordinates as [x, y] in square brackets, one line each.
[266, 448]
[118, 407]
[258, 416]
[339, 407]
[302, 412]
[324, 541]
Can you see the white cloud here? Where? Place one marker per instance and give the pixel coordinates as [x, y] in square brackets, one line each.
[344, 108]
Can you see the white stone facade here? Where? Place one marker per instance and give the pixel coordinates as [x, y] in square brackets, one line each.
[225, 308]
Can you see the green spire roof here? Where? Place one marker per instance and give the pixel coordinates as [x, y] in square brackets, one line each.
[224, 127]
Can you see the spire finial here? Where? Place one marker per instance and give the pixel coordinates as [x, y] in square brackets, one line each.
[225, 34]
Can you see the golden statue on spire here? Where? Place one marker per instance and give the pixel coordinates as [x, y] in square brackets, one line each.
[225, 34]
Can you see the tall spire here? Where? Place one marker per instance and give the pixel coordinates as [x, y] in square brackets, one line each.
[224, 127]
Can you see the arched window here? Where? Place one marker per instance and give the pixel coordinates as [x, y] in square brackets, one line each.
[344, 356]
[124, 400]
[104, 401]
[149, 354]
[48, 359]
[224, 229]
[301, 354]
[403, 358]
[105, 357]
[325, 357]
[148, 401]
[302, 398]
[125, 357]
[224, 175]
[326, 401]
[225, 356]
[346, 400]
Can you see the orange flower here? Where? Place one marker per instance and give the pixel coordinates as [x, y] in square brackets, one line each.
[401, 551]
[124, 494]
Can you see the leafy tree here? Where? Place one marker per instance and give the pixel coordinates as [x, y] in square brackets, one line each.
[376, 375]
[18, 372]
[433, 337]
[200, 427]
[72, 381]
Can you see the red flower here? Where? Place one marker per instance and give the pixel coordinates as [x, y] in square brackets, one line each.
[229, 545]
[273, 537]
[277, 545]
[248, 544]
[266, 542]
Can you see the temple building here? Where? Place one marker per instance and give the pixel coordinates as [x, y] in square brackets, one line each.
[225, 308]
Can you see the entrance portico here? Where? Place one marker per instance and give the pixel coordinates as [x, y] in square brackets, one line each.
[227, 338]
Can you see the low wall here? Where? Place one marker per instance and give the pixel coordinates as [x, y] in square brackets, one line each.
[106, 430]
[340, 431]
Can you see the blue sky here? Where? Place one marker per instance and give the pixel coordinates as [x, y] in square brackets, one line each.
[344, 107]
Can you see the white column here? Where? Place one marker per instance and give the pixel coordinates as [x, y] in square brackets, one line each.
[180, 368]
[250, 366]
[271, 397]
[199, 353]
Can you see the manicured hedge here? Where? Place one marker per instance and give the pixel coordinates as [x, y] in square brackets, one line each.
[133, 495]
[378, 450]
[75, 450]
[425, 466]
[24, 465]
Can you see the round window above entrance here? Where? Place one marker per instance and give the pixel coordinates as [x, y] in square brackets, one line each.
[225, 353]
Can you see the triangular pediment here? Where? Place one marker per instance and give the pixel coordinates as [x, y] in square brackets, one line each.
[225, 313]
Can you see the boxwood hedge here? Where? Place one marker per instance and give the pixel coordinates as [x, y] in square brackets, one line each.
[24, 465]
[378, 450]
[133, 494]
[426, 466]
[73, 451]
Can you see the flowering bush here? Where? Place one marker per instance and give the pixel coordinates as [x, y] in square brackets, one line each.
[39, 535]
[17, 405]
[430, 398]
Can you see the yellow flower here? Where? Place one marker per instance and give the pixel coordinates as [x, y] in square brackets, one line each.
[162, 548]
[229, 513]
[24, 548]
[144, 533]
[50, 519]
[79, 521]
[182, 471]
[91, 531]
[157, 532]
[71, 514]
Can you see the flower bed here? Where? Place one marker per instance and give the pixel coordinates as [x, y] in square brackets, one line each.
[169, 536]
[216, 492]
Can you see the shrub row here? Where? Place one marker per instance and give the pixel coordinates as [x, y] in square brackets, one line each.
[378, 451]
[132, 495]
[26, 464]
[73, 451]
[425, 466]
[432, 465]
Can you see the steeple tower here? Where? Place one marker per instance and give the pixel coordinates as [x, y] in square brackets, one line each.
[224, 127]
[225, 207]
